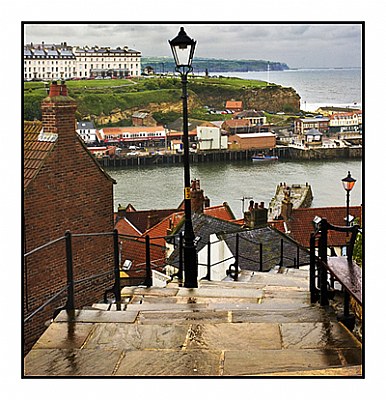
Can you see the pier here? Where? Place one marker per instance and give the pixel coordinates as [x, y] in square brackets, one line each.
[202, 157]
[299, 195]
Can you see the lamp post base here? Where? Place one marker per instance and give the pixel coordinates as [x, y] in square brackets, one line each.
[190, 267]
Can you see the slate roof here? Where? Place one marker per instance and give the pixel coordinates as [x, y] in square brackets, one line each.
[249, 249]
[249, 243]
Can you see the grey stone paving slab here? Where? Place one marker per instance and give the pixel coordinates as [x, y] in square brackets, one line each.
[220, 292]
[280, 280]
[64, 336]
[262, 313]
[187, 317]
[151, 291]
[92, 316]
[265, 361]
[170, 363]
[322, 335]
[213, 300]
[62, 362]
[137, 337]
[234, 336]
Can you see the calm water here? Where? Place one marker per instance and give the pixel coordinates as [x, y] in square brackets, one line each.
[162, 186]
[316, 87]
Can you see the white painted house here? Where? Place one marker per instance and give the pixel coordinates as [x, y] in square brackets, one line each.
[209, 137]
[87, 131]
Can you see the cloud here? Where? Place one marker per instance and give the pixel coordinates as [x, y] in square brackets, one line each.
[319, 45]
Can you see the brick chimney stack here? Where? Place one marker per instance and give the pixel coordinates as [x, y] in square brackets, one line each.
[197, 197]
[58, 112]
[256, 216]
[286, 205]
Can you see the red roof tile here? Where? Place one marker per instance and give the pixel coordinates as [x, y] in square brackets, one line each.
[35, 150]
[300, 225]
[221, 212]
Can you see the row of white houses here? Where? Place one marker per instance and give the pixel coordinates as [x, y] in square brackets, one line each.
[50, 62]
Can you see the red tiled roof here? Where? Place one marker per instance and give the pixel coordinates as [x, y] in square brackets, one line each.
[35, 150]
[144, 220]
[301, 226]
[125, 227]
[160, 230]
[221, 212]
[234, 104]
[135, 250]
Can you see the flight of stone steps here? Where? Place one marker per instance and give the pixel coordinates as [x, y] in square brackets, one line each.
[263, 325]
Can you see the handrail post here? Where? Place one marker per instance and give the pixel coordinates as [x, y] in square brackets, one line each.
[148, 280]
[180, 261]
[312, 269]
[208, 261]
[281, 252]
[70, 304]
[323, 257]
[117, 276]
[236, 278]
[261, 257]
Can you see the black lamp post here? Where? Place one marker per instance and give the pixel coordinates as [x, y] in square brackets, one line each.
[183, 49]
[348, 184]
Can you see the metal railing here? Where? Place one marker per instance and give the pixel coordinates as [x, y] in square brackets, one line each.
[148, 265]
[321, 285]
[70, 285]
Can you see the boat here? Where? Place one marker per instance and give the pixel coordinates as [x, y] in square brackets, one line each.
[264, 157]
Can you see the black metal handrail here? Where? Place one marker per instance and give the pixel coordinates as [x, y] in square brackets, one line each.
[320, 288]
[69, 287]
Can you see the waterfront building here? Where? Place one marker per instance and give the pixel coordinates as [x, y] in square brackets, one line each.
[64, 189]
[302, 125]
[343, 122]
[53, 62]
[249, 141]
[210, 137]
[141, 136]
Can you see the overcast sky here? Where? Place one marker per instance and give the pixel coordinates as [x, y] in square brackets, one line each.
[298, 45]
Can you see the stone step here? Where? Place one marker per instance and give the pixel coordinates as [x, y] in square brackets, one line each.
[228, 349]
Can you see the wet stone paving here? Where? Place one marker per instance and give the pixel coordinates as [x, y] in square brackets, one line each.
[262, 325]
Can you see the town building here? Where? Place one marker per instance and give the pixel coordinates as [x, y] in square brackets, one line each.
[65, 189]
[344, 122]
[250, 141]
[141, 136]
[234, 106]
[87, 131]
[299, 223]
[302, 125]
[210, 137]
[52, 62]
[254, 117]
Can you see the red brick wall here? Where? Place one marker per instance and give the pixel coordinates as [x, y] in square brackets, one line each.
[264, 142]
[69, 193]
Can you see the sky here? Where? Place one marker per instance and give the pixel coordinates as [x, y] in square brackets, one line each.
[297, 44]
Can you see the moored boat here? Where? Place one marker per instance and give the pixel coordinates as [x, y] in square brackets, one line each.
[264, 157]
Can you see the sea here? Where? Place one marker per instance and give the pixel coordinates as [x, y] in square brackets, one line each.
[161, 186]
[317, 87]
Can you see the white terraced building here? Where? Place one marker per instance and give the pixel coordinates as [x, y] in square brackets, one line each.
[50, 62]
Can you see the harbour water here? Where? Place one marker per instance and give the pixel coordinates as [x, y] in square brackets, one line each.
[161, 186]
